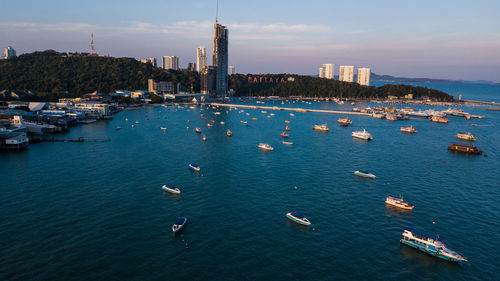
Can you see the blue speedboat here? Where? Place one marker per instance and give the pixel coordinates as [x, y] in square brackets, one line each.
[430, 244]
[194, 167]
[298, 218]
[365, 174]
[179, 223]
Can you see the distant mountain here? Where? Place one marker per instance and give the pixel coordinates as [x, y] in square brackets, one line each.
[389, 78]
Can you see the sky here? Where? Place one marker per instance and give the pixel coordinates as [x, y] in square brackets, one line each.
[434, 39]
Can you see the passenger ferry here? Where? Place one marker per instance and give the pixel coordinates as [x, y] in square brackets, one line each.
[171, 189]
[430, 244]
[398, 202]
[466, 136]
[265, 146]
[298, 218]
[409, 129]
[321, 128]
[362, 135]
[464, 149]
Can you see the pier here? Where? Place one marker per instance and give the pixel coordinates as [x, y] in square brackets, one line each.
[481, 102]
[289, 109]
[80, 139]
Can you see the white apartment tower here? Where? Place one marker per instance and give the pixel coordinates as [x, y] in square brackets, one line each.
[231, 70]
[9, 52]
[201, 58]
[321, 72]
[364, 76]
[346, 73]
[170, 62]
[327, 70]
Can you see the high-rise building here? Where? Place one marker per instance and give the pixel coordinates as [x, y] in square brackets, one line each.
[149, 60]
[201, 58]
[9, 52]
[170, 62]
[220, 58]
[191, 66]
[231, 70]
[346, 73]
[364, 76]
[327, 71]
[208, 77]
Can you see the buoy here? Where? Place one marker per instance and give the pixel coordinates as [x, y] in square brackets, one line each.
[433, 222]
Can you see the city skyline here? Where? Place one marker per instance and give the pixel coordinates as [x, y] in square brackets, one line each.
[449, 40]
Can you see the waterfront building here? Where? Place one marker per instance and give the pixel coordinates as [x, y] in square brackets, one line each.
[101, 108]
[201, 58]
[160, 88]
[220, 58]
[364, 76]
[191, 66]
[208, 75]
[327, 71]
[346, 73]
[9, 52]
[231, 70]
[170, 62]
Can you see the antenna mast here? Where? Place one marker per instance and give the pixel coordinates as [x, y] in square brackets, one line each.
[217, 12]
[92, 51]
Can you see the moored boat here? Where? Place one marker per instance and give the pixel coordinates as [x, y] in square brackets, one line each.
[321, 128]
[298, 218]
[398, 202]
[287, 142]
[378, 115]
[197, 130]
[265, 146]
[344, 122]
[466, 136]
[287, 128]
[163, 128]
[204, 137]
[179, 224]
[430, 244]
[465, 149]
[229, 133]
[408, 129]
[391, 117]
[194, 167]
[171, 189]
[365, 174]
[362, 135]
[118, 128]
[284, 134]
[438, 119]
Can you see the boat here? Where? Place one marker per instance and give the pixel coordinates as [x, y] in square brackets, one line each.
[217, 113]
[287, 122]
[284, 135]
[229, 133]
[253, 118]
[408, 129]
[265, 146]
[287, 128]
[362, 135]
[222, 122]
[321, 128]
[291, 114]
[298, 218]
[171, 189]
[163, 128]
[466, 136]
[209, 125]
[378, 115]
[197, 130]
[137, 122]
[204, 137]
[430, 244]
[344, 122]
[455, 112]
[364, 174]
[118, 128]
[264, 112]
[194, 167]
[391, 117]
[464, 149]
[179, 224]
[416, 114]
[287, 142]
[89, 121]
[438, 119]
[398, 202]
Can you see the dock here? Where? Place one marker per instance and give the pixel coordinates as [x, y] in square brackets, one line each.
[294, 109]
[481, 102]
[80, 139]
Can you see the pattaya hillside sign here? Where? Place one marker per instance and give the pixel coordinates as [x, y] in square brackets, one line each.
[269, 79]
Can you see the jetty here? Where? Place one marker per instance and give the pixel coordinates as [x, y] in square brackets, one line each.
[481, 102]
[80, 139]
[295, 109]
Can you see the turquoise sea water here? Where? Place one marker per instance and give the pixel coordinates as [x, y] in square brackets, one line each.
[95, 211]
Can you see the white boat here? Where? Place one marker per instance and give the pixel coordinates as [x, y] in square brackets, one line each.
[291, 114]
[171, 189]
[197, 130]
[287, 143]
[222, 122]
[298, 218]
[118, 128]
[364, 174]
[265, 146]
[321, 128]
[179, 223]
[163, 128]
[409, 129]
[194, 167]
[362, 135]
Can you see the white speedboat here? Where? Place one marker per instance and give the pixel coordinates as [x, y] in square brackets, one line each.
[298, 218]
[265, 146]
[197, 130]
[287, 143]
[365, 174]
[362, 135]
[194, 167]
[163, 128]
[321, 128]
[171, 189]
[179, 223]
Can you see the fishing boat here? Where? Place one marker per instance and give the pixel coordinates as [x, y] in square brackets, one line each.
[179, 224]
[163, 128]
[344, 122]
[171, 189]
[398, 202]
[265, 146]
[438, 119]
[298, 218]
[362, 135]
[194, 167]
[321, 128]
[204, 137]
[430, 244]
[465, 149]
[229, 133]
[287, 128]
[197, 130]
[284, 135]
[287, 143]
[408, 129]
[365, 174]
[466, 136]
